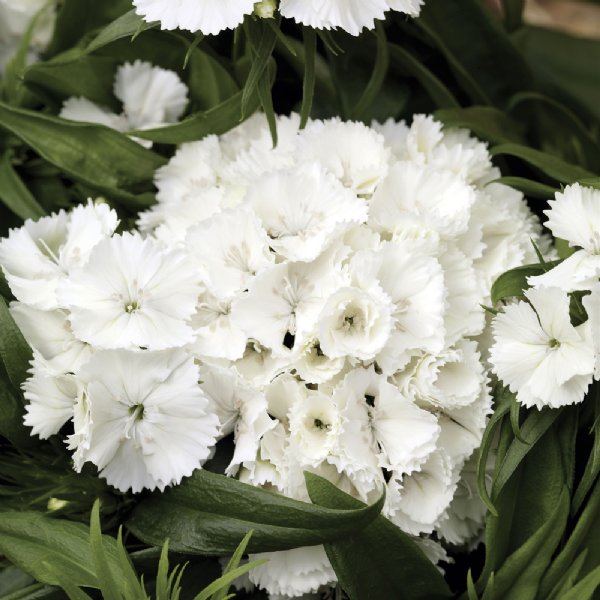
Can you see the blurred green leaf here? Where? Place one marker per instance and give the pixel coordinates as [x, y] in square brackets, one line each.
[381, 561]
[125, 26]
[531, 189]
[209, 513]
[15, 195]
[14, 350]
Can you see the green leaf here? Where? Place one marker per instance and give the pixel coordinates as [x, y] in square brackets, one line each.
[209, 513]
[14, 350]
[308, 83]
[11, 418]
[514, 282]
[226, 580]
[569, 578]
[125, 26]
[93, 154]
[13, 579]
[53, 550]
[217, 120]
[15, 195]
[550, 165]
[377, 79]
[482, 56]
[381, 561]
[532, 189]
[534, 427]
[584, 590]
[485, 122]
[436, 89]
[233, 563]
[513, 13]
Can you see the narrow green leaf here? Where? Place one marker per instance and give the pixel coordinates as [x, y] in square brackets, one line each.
[37, 591]
[380, 69]
[308, 83]
[586, 521]
[380, 561]
[532, 189]
[438, 92]
[266, 101]
[233, 563]
[226, 580]
[197, 39]
[502, 408]
[128, 25]
[209, 513]
[14, 350]
[548, 164]
[162, 575]
[217, 120]
[262, 40]
[52, 550]
[471, 591]
[585, 589]
[489, 594]
[93, 154]
[15, 195]
[74, 592]
[129, 576]
[486, 122]
[534, 427]
[569, 578]
[108, 585]
[518, 577]
[515, 409]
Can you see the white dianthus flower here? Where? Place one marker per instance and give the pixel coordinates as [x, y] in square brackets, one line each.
[151, 97]
[573, 216]
[539, 354]
[37, 257]
[132, 294]
[150, 421]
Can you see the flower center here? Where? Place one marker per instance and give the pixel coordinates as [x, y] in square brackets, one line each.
[554, 343]
[321, 425]
[136, 412]
[131, 306]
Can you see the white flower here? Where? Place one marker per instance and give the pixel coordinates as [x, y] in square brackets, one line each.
[414, 281]
[41, 254]
[415, 502]
[315, 367]
[151, 97]
[591, 303]
[315, 425]
[293, 573]
[573, 216]
[241, 410]
[303, 210]
[356, 322]
[15, 18]
[231, 248]
[539, 354]
[413, 194]
[215, 333]
[352, 152]
[130, 294]
[49, 333]
[283, 303]
[150, 421]
[350, 15]
[379, 422]
[207, 16]
[51, 399]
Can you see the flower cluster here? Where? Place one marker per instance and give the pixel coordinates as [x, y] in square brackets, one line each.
[325, 293]
[211, 17]
[546, 348]
[16, 16]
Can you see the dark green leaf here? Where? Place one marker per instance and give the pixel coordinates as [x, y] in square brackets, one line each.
[584, 590]
[13, 579]
[52, 550]
[410, 64]
[308, 84]
[569, 578]
[14, 350]
[125, 26]
[96, 155]
[209, 514]
[514, 282]
[37, 591]
[380, 561]
[548, 164]
[486, 122]
[532, 189]
[482, 56]
[513, 13]
[15, 195]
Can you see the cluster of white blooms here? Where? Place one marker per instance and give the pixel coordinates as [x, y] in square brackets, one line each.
[151, 97]
[538, 352]
[337, 330]
[211, 17]
[320, 301]
[16, 16]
